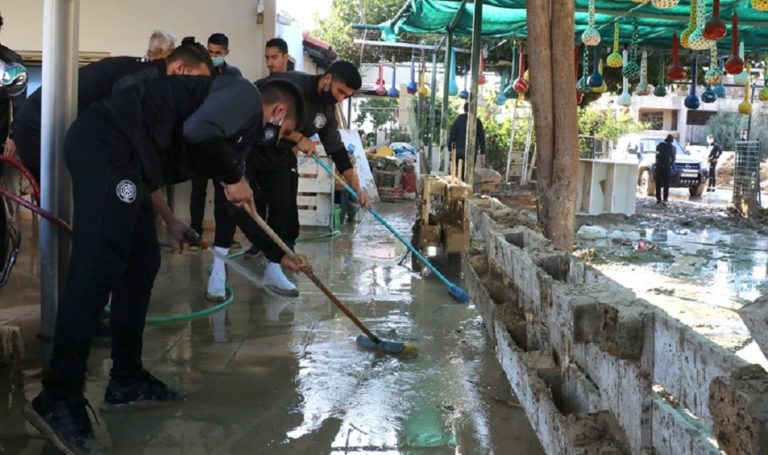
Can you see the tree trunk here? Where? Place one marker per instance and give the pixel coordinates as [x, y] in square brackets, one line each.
[540, 65]
[560, 228]
[553, 98]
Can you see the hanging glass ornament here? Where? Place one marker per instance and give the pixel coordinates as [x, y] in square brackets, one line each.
[521, 85]
[696, 41]
[743, 76]
[746, 107]
[596, 79]
[583, 84]
[509, 88]
[502, 98]
[393, 92]
[381, 90]
[453, 87]
[735, 64]
[614, 60]
[720, 88]
[692, 100]
[763, 95]
[631, 69]
[691, 25]
[603, 87]
[643, 87]
[665, 4]
[714, 74]
[412, 86]
[760, 5]
[715, 28]
[676, 72]
[590, 36]
[481, 75]
[661, 87]
[625, 99]
[423, 90]
[464, 94]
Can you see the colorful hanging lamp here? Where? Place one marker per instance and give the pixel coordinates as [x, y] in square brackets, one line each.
[714, 74]
[521, 85]
[734, 64]
[625, 99]
[453, 87]
[691, 25]
[715, 28]
[643, 87]
[464, 94]
[381, 90]
[745, 107]
[631, 69]
[393, 92]
[665, 4]
[760, 5]
[583, 83]
[591, 36]
[720, 88]
[502, 98]
[596, 79]
[412, 86]
[481, 73]
[676, 72]
[697, 41]
[692, 100]
[423, 90]
[509, 88]
[661, 87]
[614, 60]
[743, 76]
[763, 95]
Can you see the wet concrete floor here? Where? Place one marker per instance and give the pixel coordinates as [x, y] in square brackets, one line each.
[284, 376]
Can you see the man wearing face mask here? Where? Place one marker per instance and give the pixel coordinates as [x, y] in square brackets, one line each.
[714, 154]
[157, 132]
[218, 49]
[275, 169]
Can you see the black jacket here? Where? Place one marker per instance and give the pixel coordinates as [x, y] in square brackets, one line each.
[8, 104]
[321, 120]
[715, 151]
[188, 126]
[458, 136]
[95, 82]
[665, 155]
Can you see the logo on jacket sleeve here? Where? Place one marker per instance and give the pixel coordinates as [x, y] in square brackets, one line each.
[126, 191]
[320, 121]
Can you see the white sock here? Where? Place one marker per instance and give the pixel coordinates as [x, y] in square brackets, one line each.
[218, 263]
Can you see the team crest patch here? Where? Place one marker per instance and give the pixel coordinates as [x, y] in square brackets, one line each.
[320, 121]
[126, 191]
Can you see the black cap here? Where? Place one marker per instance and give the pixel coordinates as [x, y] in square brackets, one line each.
[669, 138]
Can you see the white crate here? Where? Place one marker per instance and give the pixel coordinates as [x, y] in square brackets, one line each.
[315, 194]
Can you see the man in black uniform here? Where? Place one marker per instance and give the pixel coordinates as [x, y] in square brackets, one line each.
[157, 132]
[458, 137]
[218, 48]
[714, 154]
[665, 158]
[275, 170]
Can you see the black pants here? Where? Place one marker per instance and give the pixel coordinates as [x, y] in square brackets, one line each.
[114, 250]
[197, 203]
[278, 189]
[27, 141]
[712, 176]
[662, 183]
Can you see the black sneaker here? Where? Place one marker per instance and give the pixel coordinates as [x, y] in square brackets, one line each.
[65, 423]
[144, 391]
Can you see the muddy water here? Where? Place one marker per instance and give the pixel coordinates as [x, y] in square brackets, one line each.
[700, 276]
[284, 376]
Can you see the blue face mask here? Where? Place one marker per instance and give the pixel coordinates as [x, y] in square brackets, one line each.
[217, 61]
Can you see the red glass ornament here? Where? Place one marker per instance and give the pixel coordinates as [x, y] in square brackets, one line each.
[675, 72]
[715, 28]
[734, 64]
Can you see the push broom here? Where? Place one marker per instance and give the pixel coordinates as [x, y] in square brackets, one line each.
[458, 293]
[369, 340]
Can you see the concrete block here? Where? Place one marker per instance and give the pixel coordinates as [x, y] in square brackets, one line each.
[740, 410]
[755, 317]
[675, 433]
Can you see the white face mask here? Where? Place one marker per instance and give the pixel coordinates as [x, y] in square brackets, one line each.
[710, 141]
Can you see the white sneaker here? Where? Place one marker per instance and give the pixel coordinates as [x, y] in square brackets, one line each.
[276, 281]
[217, 281]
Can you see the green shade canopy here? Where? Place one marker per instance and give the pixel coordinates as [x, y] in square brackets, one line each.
[506, 19]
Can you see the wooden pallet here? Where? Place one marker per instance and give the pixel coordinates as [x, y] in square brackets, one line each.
[315, 194]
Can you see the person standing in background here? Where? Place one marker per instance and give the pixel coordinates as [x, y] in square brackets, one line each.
[161, 44]
[714, 154]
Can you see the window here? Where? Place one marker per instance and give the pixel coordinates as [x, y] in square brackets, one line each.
[655, 119]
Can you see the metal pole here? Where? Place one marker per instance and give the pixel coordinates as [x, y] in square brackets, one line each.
[749, 120]
[477, 30]
[419, 107]
[444, 114]
[433, 98]
[59, 109]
